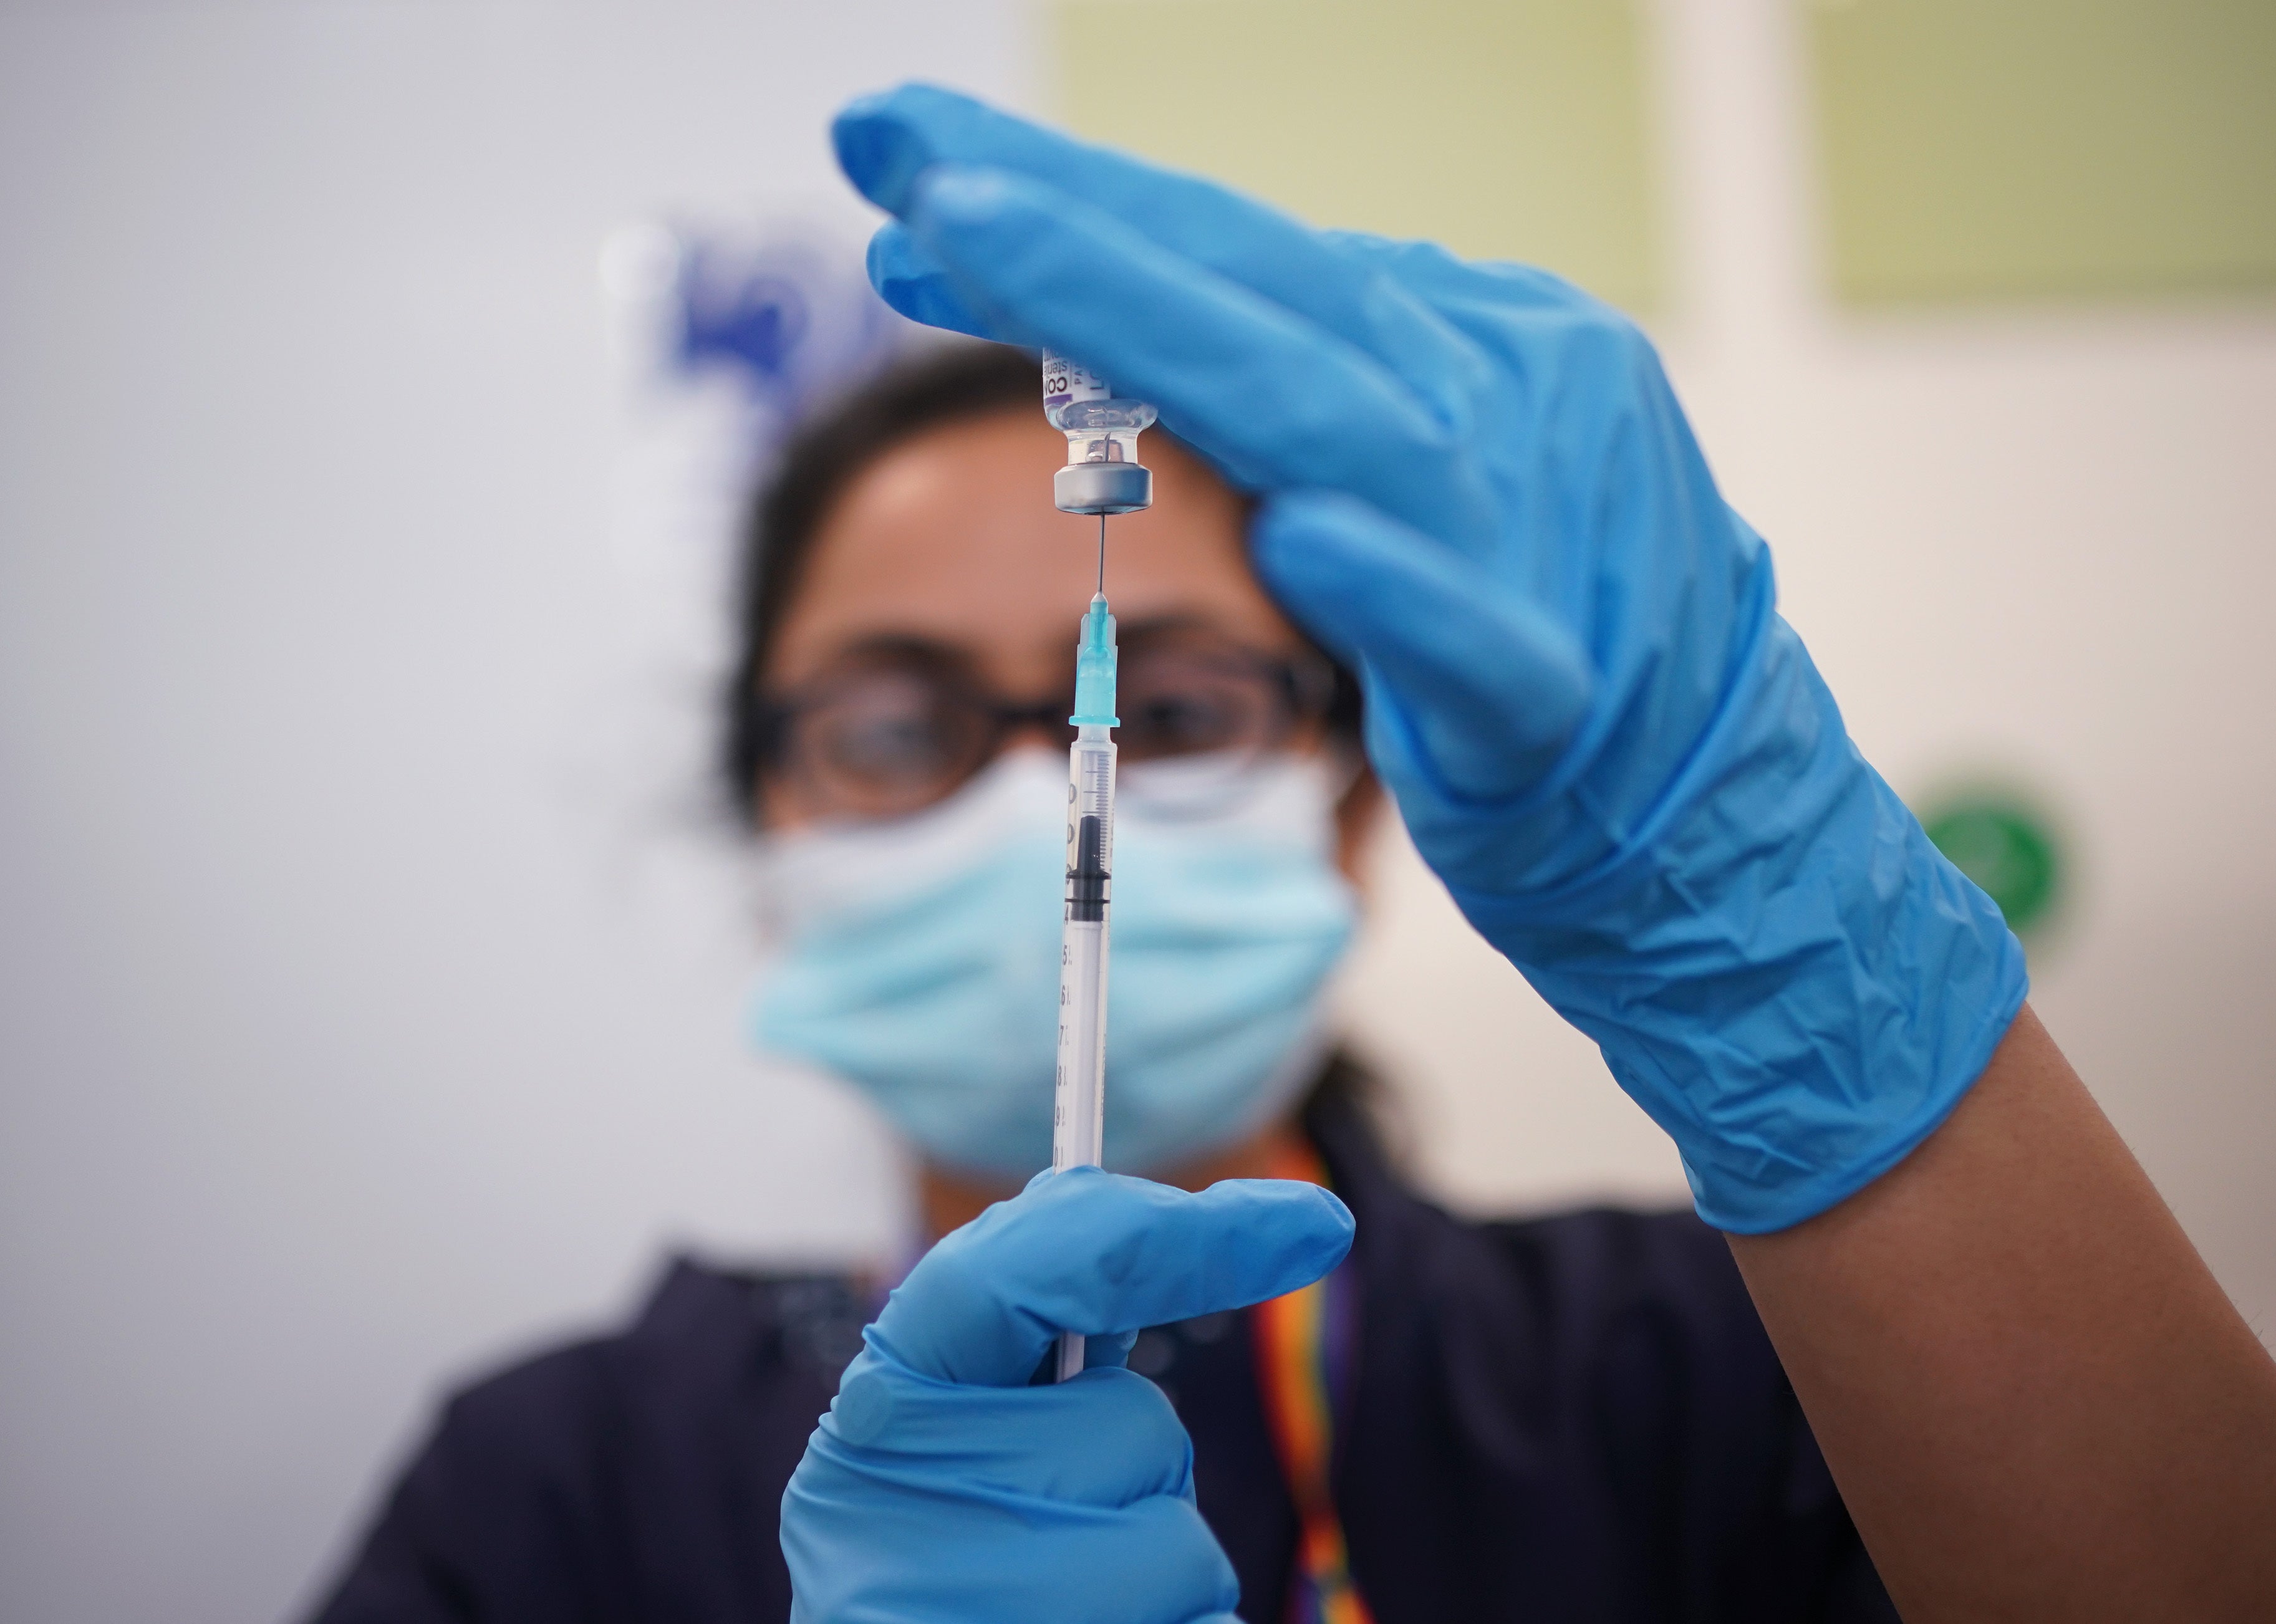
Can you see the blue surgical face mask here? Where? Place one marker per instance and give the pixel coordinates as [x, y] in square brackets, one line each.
[919, 960]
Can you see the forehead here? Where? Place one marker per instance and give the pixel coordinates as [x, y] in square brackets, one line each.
[952, 538]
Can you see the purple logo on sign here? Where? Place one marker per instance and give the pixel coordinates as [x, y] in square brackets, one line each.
[791, 320]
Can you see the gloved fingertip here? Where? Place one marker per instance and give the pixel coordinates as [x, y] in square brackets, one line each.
[1336, 1229]
[915, 285]
[1340, 1216]
[1314, 1209]
[877, 150]
[886, 138]
[1295, 1232]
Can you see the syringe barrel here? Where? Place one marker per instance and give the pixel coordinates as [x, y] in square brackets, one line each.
[1079, 1098]
[1077, 1113]
[1090, 824]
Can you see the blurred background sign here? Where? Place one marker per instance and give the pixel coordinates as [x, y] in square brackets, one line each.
[1505, 129]
[2005, 841]
[2006, 148]
[724, 334]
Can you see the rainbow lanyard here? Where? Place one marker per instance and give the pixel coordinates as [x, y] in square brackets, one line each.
[1299, 1339]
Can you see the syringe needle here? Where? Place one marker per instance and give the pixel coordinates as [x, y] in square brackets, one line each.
[1102, 554]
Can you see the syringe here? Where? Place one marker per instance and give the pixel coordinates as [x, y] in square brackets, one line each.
[1102, 476]
[1078, 1102]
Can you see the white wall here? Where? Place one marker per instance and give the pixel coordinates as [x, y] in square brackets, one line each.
[369, 997]
[367, 982]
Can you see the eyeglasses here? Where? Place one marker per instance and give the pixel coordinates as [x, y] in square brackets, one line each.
[904, 727]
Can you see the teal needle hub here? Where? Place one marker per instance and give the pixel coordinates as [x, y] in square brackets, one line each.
[1094, 669]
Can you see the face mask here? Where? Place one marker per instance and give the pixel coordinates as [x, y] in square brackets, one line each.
[921, 960]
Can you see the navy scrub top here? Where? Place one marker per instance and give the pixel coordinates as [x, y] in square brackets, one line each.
[1575, 1417]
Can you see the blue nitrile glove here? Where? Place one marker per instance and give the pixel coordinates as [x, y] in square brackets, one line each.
[1479, 488]
[942, 1486]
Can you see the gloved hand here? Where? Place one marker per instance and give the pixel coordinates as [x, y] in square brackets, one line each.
[1478, 488]
[940, 1485]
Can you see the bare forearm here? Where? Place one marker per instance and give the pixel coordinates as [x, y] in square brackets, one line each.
[2036, 1399]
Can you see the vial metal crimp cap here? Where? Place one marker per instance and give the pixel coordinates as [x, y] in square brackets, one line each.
[1103, 487]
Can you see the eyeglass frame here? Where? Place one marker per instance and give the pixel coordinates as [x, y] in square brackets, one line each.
[1314, 688]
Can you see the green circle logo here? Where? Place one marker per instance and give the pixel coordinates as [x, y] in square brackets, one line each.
[2002, 844]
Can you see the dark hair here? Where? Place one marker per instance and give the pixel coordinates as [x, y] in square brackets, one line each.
[943, 383]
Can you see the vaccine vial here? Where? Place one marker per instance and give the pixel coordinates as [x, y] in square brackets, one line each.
[1103, 473]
